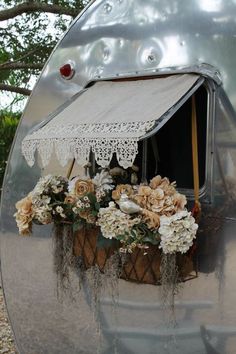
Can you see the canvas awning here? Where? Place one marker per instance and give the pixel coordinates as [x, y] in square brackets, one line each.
[109, 117]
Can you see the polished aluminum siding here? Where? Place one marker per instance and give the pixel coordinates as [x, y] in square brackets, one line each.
[130, 38]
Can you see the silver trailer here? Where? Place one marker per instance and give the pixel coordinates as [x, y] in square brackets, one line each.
[115, 42]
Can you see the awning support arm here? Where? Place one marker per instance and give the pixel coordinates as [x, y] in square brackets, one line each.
[197, 206]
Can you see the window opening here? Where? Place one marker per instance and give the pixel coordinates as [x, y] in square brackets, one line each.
[169, 151]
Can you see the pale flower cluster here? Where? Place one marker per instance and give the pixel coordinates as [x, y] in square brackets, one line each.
[42, 195]
[37, 206]
[177, 232]
[49, 183]
[139, 215]
[24, 215]
[113, 222]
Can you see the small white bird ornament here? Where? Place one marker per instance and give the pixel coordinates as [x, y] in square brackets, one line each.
[128, 206]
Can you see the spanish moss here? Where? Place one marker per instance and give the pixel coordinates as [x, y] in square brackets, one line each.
[169, 288]
[63, 258]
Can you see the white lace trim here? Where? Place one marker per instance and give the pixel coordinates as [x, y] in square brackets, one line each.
[54, 130]
[76, 141]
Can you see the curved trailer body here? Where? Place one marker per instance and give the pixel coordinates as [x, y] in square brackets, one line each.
[130, 39]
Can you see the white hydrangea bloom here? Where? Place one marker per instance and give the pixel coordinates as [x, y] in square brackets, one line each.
[177, 232]
[114, 222]
[47, 182]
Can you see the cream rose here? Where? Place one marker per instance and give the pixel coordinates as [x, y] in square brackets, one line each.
[154, 183]
[83, 187]
[24, 206]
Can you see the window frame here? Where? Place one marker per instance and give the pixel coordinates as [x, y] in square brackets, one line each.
[206, 191]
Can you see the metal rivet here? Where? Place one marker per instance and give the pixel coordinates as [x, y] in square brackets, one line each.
[99, 71]
[151, 58]
[107, 8]
[106, 54]
[182, 43]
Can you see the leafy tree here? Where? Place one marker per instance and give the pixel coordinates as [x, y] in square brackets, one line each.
[8, 125]
[28, 32]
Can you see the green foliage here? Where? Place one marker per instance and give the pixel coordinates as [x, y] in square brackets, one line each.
[8, 125]
[29, 38]
[140, 234]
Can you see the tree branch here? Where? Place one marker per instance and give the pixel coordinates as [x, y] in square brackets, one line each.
[16, 89]
[29, 6]
[20, 66]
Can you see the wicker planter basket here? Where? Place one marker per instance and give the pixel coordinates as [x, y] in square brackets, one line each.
[138, 267]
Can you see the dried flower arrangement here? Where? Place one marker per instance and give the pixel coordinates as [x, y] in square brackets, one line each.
[136, 217]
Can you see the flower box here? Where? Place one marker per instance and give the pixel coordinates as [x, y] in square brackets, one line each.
[140, 266]
[149, 224]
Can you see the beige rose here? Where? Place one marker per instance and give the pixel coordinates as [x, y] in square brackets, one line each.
[179, 200]
[168, 210]
[24, 206]
[164, 183]
[122, 189]
[83, 187]
[144, 190]
[142, 196]
[151, 219]
[155, 196]
[24, 223]
[140, 200]
[154, 183]
[170, 190]
[158, 206]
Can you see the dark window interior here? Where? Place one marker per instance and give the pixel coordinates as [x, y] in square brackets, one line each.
[169, 152]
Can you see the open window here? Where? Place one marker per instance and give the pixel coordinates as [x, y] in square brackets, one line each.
[169, 151]
[142, 121]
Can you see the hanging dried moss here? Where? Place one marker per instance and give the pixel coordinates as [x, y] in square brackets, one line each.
[63, 256]
[170, 287]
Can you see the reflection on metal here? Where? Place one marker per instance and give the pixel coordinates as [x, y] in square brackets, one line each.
[117, 39]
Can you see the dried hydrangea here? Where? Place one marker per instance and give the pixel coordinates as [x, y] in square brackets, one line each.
[177, 232]
[50, 184]
[160, 197]
[114, 222]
